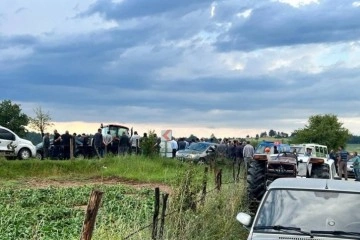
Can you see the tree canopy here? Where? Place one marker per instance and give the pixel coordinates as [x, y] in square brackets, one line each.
[12, 118]
[323, 129]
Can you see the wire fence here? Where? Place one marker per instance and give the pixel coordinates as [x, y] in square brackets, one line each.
[156, 235]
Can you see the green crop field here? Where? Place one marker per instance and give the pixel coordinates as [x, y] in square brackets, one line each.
[47, 199]
[58, 213]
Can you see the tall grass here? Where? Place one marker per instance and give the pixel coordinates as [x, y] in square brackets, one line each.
[136, 168]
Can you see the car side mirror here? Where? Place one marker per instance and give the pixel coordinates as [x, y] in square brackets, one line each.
[244, 219]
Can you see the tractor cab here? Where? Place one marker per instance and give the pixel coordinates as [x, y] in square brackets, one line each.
[114, 129]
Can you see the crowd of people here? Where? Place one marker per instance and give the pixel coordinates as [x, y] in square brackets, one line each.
[97, 145]
[237, 151]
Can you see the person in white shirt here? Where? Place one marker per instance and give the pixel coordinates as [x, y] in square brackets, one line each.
[107, 142]
[174, 147]
[135, 141]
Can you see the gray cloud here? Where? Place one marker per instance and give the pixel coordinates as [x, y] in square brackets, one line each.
[275, 24]
[181, 70]
[143, 8]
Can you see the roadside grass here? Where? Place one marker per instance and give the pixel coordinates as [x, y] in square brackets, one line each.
[134, 168]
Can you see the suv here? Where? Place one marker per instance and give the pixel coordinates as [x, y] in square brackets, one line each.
[306, 209]
[12, 146]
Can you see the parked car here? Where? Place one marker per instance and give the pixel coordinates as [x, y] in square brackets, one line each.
[307, 208]
[200, 152]
[12, 146]
[79, 152]
[350, 169]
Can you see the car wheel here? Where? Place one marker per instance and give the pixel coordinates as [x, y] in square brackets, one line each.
[39, 156]
[24, 154]
[201, 161]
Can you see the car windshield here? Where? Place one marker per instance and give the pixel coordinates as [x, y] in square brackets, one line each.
[298, 150]
[310, 210]
[199, 146]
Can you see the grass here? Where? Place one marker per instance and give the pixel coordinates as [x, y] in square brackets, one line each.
[353, 148]
[213, 220]
[134, 168]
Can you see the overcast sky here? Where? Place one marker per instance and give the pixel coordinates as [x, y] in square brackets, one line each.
[226, 67]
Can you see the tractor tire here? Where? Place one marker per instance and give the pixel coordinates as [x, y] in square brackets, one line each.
[256, 183]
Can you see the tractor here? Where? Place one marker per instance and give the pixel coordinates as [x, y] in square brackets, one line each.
[274, 160]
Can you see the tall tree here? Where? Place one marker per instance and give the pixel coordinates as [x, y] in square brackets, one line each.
[11, 117]
[41, 121]
[323, 129]
[272, 133]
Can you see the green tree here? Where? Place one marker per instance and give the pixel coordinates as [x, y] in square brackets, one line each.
[11, 117]
[272, 133]
[41, 121]
[323, 129]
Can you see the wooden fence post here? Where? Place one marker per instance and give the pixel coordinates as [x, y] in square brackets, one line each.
[91, 212]
[163, 211]
[204, 183]
[156, 213]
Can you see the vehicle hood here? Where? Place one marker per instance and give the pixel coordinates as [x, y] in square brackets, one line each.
[274, 236]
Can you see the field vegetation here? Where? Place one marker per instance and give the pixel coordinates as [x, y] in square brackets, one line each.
[49, 211]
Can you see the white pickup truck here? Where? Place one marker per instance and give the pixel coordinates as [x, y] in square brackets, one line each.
[12, 146]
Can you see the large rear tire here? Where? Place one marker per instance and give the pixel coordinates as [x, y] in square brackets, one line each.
[256, 183]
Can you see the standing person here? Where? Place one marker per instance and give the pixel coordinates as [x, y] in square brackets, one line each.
[98, 141]
[124, 144]
[107, 142]
[248, 154]
[239, 158]
[115, 145]
[356, 166]
[85, 142]
[57, 144]
[174, 147]
[46, 145]
[66, 144]
[157, 144]
[135, 141]
[343, 158]
[332, 156]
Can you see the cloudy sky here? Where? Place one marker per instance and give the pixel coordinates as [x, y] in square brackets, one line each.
[226, 67]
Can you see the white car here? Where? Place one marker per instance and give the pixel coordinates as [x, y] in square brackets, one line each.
[306, 208]
[12, 146]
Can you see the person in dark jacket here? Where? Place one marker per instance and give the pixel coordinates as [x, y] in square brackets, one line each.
[46, 145]
[98, 142]
[124, 144]
[66, 144]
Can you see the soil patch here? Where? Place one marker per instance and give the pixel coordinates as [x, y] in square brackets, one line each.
[44, 183]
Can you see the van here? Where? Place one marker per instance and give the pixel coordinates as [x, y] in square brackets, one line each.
[12, 146]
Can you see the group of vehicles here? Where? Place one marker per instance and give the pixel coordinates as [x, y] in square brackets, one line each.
[14, 147]
[294, 193]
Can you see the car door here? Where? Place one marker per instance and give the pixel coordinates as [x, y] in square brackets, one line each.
[6, 137]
